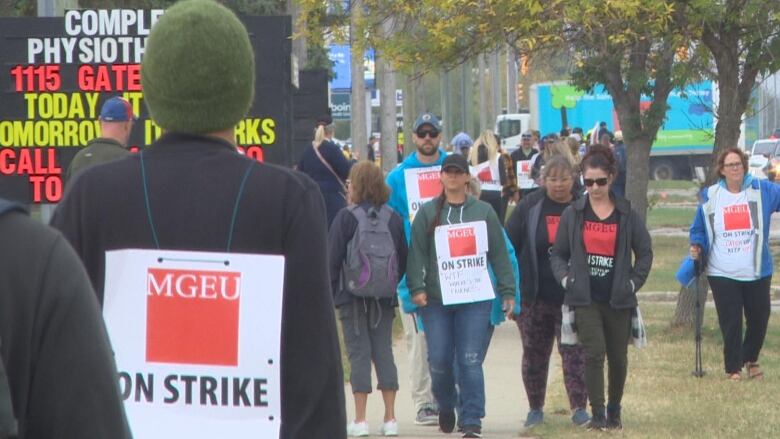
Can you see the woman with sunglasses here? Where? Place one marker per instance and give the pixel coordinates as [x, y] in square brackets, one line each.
[591, 258]
[531, 228]
[731, 234]
[460, 234]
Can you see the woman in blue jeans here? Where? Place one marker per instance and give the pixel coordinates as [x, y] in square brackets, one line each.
[461, 235]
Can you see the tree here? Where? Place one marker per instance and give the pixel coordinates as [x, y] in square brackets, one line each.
[743, 40]
[628, 46]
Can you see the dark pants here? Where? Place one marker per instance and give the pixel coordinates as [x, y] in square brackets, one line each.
[368, 335]
[731, 298]
[604, 330]
[540, 326]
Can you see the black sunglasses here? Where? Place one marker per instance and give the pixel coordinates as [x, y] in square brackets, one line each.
[599, 181]
[430, 133]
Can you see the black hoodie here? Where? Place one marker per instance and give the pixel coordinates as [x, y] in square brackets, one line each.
[60, 366]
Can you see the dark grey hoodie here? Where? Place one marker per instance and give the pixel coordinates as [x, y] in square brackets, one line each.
[568, 258]
[55, 349]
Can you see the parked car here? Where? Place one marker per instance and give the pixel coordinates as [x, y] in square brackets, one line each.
[775, 134]
[764, 159]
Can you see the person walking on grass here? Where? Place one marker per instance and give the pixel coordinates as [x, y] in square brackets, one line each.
[532, 229]
[457, 228]
[731, 234]
[367, 316]
[591, 259]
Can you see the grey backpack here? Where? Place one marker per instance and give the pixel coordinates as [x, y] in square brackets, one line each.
[371, 266]
[8, 426]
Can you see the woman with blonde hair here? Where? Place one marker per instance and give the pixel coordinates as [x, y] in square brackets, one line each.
[367, 316]
[325, 163]
[486, 149]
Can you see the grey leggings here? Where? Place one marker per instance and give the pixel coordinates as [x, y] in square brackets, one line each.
[368, 336]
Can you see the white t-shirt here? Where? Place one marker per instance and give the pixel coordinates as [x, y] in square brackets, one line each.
[732, 252]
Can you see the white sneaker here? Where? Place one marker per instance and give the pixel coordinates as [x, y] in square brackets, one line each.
[358, 429]
[389, 428]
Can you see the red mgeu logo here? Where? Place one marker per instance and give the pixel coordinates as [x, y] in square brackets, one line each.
[429, 184]
[463, 242]
[736, 217]
[552, 227]
[192, 316]
[485, 175]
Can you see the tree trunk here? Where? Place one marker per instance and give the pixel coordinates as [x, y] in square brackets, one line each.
[446, 116]
[482, 94]
[495, 89]
[511, 81]
[358, 100]
[409, 115]
[637, 175]
[684, 314]
[735, 85]
[388, 139]
[299, 48]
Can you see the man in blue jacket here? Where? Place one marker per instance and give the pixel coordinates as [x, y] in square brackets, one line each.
[426, 136]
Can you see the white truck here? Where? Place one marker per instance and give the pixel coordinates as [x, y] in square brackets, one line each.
[683, 143]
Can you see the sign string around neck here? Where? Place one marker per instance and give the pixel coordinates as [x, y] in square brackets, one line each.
[236, 205]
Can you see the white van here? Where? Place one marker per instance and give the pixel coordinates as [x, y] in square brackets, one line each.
[509, 127]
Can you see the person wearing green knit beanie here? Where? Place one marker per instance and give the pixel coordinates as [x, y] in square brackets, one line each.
[198, 69]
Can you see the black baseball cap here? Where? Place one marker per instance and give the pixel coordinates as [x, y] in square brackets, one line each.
[455, 161]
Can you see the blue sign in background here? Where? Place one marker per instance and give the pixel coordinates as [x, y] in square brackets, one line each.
[341, 57]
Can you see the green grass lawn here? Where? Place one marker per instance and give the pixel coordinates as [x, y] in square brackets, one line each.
[668, 251]
[671, 184]
[677, 217]
[663, 400]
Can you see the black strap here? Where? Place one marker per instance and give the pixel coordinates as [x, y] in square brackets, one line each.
[250, 165]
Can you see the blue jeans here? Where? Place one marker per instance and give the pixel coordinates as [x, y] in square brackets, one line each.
[458, 333]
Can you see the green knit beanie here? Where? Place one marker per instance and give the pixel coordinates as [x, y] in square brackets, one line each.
[198, 68]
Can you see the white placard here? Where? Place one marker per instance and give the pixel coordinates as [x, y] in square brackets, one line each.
[523, 171]
[461, 251]
[196, 337]
[488, 176]
[422, 185]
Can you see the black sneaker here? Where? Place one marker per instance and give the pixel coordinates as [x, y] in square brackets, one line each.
[472, 431]
[597, 422]
[446, 421]
[613, 418]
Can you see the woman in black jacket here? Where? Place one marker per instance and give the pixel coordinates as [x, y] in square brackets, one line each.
[532, 228]
[591, 259]
[326, 165]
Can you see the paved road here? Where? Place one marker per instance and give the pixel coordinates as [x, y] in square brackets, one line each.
[506, 404]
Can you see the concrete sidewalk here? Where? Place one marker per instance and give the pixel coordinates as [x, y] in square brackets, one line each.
[506, 405]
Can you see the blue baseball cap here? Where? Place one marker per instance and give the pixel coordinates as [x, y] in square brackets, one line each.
[462, 140]
[117, 109]
[427, 118]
